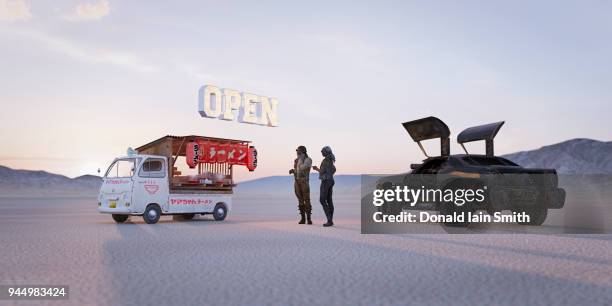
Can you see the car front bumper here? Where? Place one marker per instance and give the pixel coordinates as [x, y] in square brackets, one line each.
[118, 210]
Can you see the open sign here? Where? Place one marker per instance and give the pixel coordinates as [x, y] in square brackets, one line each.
[229, 104]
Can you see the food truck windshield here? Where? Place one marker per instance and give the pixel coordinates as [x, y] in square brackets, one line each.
[123, 167]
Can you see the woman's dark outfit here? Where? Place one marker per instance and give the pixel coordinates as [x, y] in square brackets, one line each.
[326, 175]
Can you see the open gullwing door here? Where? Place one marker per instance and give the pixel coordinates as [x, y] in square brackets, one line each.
[486, 132]
[429, 128]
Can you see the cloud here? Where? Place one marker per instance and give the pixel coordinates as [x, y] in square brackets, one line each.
[89, 11]
[14, 10]
[88, 54]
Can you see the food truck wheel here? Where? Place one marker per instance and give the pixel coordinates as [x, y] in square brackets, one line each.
[120, 218]
[151, 214]
[220, 212]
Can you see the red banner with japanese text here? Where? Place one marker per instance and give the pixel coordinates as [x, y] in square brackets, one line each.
[220, 152]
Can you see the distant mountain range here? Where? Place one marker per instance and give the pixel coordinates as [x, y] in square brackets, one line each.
[576, 156]
[27, 182]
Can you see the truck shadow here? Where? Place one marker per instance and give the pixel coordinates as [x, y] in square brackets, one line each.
[137, 253]
[118, 257]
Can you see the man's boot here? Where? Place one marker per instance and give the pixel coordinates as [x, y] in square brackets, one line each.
[308, 220]
[302, 220]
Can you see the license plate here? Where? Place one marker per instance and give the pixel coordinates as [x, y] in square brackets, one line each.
[112, 204]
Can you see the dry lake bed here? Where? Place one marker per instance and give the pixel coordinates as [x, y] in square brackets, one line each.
[261, 256]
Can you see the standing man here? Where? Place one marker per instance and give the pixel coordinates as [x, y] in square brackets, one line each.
[301, 174]
[326, 175]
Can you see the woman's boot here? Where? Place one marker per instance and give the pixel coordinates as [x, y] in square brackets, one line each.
[328, 215]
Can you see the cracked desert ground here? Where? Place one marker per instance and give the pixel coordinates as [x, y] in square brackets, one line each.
[261, 256]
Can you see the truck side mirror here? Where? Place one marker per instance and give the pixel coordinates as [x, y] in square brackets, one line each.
[414, 166]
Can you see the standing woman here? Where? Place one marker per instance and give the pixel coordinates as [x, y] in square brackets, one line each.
[326, 175]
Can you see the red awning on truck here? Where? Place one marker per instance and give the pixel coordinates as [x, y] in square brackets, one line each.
[170, 145]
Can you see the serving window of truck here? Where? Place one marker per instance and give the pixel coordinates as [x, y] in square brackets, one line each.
[213, 158]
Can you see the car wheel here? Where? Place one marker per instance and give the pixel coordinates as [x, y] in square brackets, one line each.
[537, 215]
[120, 218]
[152, 214]
[450, 208]
[391, 208]
[220, 212]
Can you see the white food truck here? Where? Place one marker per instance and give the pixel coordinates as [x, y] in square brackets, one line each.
[147, 183]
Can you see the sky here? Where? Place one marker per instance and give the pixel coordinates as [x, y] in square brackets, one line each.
[81, 81]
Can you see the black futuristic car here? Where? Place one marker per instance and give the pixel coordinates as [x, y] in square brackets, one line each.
[506, 185]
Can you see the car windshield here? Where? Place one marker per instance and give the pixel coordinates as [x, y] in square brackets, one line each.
[121, 168]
